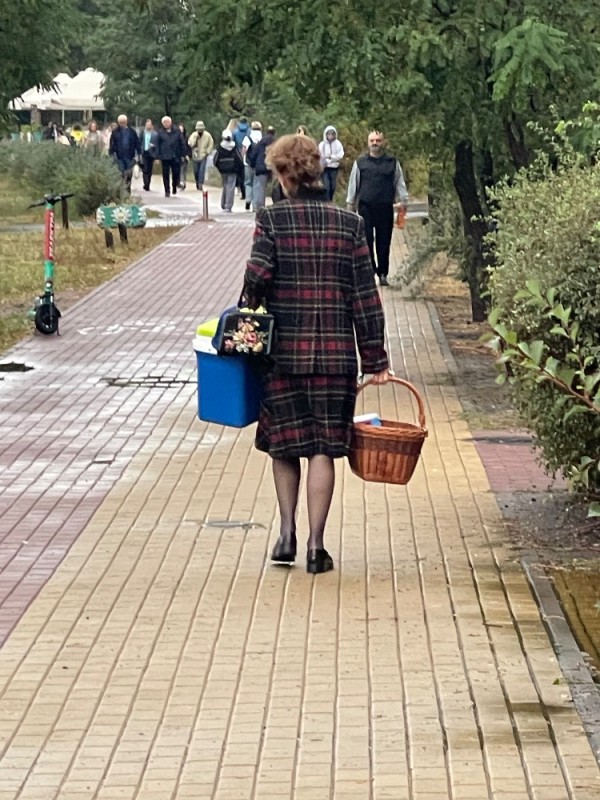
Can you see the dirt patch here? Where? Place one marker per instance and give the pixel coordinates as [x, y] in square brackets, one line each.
[487, 406]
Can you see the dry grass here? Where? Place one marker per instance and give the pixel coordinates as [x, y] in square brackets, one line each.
[83, 262]
[14, 200]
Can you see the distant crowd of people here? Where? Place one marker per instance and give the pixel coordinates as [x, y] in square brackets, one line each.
[376, 181]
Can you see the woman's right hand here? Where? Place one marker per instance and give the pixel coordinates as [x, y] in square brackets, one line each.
[381, 377]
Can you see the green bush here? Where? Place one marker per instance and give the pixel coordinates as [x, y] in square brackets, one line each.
[47, 167]
[546, 292]
[93, 179]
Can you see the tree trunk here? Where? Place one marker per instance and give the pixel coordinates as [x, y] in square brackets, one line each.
[516, 143]
[474, 226]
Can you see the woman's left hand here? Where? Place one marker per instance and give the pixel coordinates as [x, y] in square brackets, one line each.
[381, 377]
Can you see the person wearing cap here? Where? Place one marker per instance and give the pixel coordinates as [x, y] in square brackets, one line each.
[250, 141]
[202, 145]
[228, 161]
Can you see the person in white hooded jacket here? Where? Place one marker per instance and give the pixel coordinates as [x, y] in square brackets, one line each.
[332, 152]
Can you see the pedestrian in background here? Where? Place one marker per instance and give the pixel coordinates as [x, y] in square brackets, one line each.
[77, 135]
[310, 264]
[107, 133]
[201, 144]
[250, 141]
[241, 131]
[149, 139]
[227, 160]
[49, 134]
[94, 139]
[170, 150]
[185, 159]
[376, 183]
[332, 152]
[124, 148]
[258, 161]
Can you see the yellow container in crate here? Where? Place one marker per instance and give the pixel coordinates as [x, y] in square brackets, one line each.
[208, 328]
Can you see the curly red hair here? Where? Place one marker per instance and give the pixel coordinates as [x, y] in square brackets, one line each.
[296, 158]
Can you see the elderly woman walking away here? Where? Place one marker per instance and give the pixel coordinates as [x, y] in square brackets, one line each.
[310, 265]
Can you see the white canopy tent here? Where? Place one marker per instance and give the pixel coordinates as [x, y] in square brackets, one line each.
[41, 98]
[81, 93]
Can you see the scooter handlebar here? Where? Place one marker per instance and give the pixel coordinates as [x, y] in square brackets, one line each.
[51, 198]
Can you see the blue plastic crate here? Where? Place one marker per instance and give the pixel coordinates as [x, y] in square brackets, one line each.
[229, 388]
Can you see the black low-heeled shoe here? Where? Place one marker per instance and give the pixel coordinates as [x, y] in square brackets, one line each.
[318, 561]
[284, 551]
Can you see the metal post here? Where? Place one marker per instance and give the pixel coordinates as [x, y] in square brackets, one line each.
[123, 233]
[109, 239]
[64, 206]
[205, 205]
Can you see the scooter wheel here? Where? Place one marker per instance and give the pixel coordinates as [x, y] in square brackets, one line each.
[46, 319]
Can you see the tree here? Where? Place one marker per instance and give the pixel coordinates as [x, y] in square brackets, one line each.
[140, 50]
[35, 37]
[463, 76]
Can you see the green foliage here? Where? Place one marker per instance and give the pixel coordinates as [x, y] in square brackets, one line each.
[48, 167]
[141, 53]
[546, 293]
[93, 179]
[527, 56]
[445, 80]
[35, 36]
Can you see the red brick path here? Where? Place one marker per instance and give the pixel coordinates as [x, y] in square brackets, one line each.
[66, 435]
[511, 463]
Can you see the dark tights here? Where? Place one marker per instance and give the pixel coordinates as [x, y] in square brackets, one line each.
[320, 482]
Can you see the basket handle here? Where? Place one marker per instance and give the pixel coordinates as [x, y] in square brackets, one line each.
[411, 388]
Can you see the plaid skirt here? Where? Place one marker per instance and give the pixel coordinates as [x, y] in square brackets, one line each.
[306, 415]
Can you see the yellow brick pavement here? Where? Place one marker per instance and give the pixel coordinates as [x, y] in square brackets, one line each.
[165, 659]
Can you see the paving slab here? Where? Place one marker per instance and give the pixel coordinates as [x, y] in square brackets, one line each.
[147, 655]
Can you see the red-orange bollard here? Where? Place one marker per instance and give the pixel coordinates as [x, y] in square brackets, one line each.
[401, 217]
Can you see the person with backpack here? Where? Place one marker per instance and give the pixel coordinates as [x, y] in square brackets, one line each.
[332, 152]
[202, 144]
[228, 161]
[250, 142]
[242, 130]
[258, 161]
[376, 183]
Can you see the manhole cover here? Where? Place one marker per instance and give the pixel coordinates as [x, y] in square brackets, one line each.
[229, 523]
[148, 381]
[14, 366]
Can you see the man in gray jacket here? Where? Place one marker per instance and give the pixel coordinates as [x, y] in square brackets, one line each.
[376, 183]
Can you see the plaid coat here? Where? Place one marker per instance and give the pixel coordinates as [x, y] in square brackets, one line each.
[310, 263]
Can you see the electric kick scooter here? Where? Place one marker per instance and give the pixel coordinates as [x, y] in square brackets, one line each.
[45, 313]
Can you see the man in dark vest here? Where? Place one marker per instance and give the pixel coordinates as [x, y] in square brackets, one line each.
[376, 183]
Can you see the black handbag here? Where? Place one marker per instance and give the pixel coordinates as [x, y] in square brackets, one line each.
[242, 332]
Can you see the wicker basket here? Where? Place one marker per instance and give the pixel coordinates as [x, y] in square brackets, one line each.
[388, 454]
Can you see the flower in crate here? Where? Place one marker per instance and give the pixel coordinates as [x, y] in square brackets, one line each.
[247, 337]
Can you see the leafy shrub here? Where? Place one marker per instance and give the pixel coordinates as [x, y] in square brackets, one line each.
[48, 167]
[546, 293]
[93, 179]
